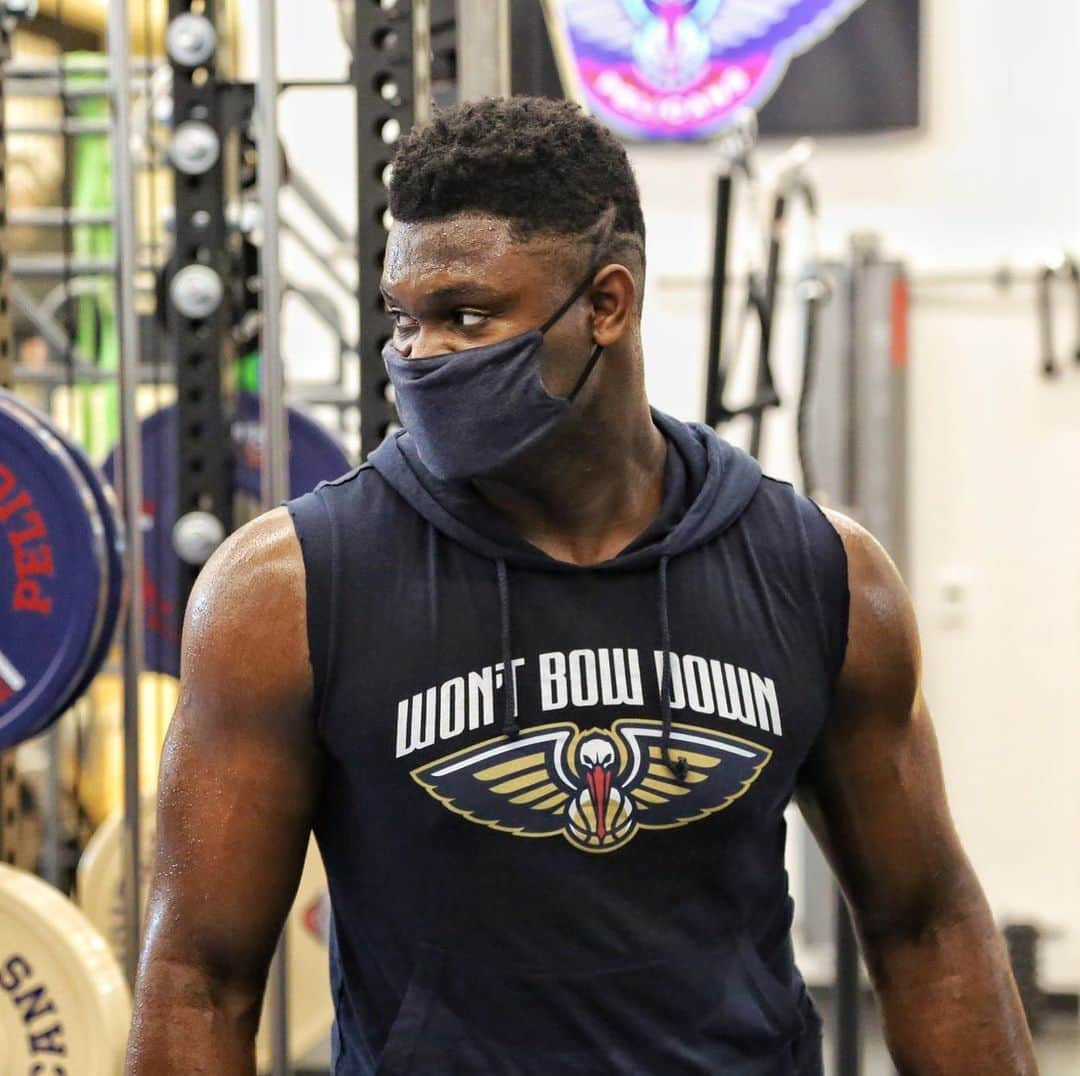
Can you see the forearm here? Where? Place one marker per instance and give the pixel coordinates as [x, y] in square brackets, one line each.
[948, 998]
[186, 1023]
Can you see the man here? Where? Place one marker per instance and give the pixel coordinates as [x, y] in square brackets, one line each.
[543, 676]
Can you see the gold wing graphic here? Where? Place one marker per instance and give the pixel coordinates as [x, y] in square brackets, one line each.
[516, 786]
[720, 770]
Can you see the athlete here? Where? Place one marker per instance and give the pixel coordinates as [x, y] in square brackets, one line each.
[542, 676]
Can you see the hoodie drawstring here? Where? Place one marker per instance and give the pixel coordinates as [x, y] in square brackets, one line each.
[510, 725]
[678, 766]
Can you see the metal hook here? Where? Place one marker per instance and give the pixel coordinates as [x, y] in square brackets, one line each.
[1071, 268]
[1044, 299]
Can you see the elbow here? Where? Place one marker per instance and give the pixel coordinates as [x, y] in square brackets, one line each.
[168, 984]
[922, 919]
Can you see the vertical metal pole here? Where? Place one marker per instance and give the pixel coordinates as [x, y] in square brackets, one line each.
[275, 446]
[50, 831]
[848, 995]
[421, 47]
[483, 49]
[9, 777]
[130, 457]
[386, 51]
[715, 372]
[275, 454]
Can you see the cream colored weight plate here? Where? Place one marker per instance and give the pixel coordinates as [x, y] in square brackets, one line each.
[311, 1008]
[64, 1004]
[100, 876]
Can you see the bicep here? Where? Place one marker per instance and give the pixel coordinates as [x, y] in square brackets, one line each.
[873, 793]
[240, 767]
[876, 803]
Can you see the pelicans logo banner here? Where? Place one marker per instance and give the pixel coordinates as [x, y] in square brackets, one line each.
[596, 787]
[664, 69]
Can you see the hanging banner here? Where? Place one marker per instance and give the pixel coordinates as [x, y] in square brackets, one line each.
[682, 69]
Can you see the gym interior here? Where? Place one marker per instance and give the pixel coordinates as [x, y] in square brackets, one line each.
[863, 269]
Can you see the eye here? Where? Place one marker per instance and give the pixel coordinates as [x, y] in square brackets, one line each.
[402, 322]
[469, 319]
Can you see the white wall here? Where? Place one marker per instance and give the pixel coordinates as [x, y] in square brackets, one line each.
[995, 450]
[994, 175]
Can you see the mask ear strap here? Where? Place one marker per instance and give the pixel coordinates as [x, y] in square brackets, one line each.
[579, 291]
[589, 367]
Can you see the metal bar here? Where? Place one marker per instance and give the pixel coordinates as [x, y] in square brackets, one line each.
[55, 88]
[848, 998]
[299, 185]
[421, 45]
[9, 775]
[715, 372]
[58, 218]
[59, 374]
[84, 66]
[70, 126]
[7, 354]
[764, 388]
[343, 401]
[1002, 277]
[56, 265]
[323, 260]
[50, 810]
[275, 453]
[54, 334]
[315, 84]
[483, 49]
[383, 55]
[325, 309]
[129, 460]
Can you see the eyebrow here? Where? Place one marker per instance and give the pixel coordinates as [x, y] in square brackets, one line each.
[463, 292]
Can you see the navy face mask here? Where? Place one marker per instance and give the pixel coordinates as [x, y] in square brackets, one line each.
[472, 412]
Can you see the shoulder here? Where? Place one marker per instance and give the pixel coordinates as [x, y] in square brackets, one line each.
[246, 618]
[883, 660]
[358, 502]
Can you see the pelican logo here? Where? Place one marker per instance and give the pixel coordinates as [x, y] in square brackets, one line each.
[595, 787]
[682, 68]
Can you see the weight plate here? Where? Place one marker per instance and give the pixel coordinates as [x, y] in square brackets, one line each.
[64, 1005]
[100, 876]
[53, 575]
[115, 543]
[311, 1007]
[314, 455]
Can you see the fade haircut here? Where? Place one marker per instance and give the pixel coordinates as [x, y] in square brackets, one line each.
[542, 165]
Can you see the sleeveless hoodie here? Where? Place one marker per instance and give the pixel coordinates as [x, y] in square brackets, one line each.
[552, 815]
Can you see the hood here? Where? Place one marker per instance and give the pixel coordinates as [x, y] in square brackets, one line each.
[720, 482]
[708, 484]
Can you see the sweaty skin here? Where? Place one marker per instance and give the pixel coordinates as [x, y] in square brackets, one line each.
[241, 769]
[875, 799]
[239, 781]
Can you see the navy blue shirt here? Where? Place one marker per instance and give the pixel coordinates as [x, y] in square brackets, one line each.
[520, 882]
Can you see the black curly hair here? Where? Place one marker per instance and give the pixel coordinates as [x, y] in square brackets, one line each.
[541, 164]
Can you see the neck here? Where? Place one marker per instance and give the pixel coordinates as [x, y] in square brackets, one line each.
[587, 495]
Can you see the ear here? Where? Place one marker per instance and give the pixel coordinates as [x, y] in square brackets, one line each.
[614, 299]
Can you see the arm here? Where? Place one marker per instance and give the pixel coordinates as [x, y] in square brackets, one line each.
[875, 799]
[239, 781]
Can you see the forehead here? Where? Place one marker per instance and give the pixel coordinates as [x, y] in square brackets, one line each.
[480, 248]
